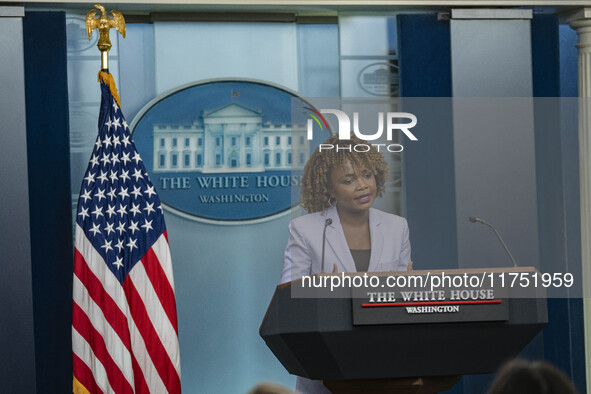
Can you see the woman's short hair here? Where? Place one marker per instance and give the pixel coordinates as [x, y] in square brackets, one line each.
[316, 186]
[525, 377]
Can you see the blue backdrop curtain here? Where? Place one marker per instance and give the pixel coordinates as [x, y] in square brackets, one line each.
[46, 92]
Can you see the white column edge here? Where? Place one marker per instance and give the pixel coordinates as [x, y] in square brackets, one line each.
[581, 22]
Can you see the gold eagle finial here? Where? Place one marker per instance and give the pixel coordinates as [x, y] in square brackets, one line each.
[103, 24]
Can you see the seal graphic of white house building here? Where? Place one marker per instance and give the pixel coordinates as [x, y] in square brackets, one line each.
[232, 138]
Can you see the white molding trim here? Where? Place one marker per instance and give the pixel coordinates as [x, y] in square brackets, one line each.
[354, 3]
[583, 13]
[490, 13]
[12, 12]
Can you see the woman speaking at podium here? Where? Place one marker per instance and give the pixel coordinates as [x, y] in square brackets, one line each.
[342, 232]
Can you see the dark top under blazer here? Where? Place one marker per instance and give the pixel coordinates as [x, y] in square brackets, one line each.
[390, 246]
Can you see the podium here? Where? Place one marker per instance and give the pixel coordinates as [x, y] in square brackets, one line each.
[318, 338]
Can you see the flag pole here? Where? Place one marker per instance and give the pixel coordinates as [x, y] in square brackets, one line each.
[123, 287]
[103, 24]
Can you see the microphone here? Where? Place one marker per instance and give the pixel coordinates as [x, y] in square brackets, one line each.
[478, 220]
[327, 223]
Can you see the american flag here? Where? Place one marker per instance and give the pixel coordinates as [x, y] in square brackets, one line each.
[124, 322]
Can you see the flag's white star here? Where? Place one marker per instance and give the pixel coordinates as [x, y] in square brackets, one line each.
[116, 141]
[112, 193]
[123, 193]
[149, 208]
[107, 142]
[122, 210]
[94, 160]
[136, 191]
[113, 176]
[121, 228]
[125, 124]
[137, 158]
[95, 229]
[90, 178]
[116, 123]
[135, 209]
[124, 175]
[114, 158]
[119, 245]
[115, 106]
[84, 213]
[131, 244]
[86, 195]
[98, 211]
[160, 208]
[107, 246]
[109, 228]
[105, 159]
[100, 194]
[109, 124]
[125, 141]
[133, 227]
[118, 263]
[147, 225]
[111, 210]
[137, 174]
[103, 177]
[149, 191]
[98, 142]
[125, 158]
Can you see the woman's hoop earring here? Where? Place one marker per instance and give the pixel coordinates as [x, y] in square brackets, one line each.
[330, 201]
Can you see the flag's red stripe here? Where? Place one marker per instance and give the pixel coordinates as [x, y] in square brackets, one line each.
[156, 350]
[161, 286]
[112, 312]
[138, 376]
[82, 324]
[84, 375]
[166, 235]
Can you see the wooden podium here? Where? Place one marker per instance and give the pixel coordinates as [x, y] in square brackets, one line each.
[357, 347]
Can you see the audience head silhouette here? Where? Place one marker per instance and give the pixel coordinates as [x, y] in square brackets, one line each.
[525, 377]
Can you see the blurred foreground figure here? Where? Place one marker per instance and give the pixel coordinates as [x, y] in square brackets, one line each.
[270, 388]
[525, 377]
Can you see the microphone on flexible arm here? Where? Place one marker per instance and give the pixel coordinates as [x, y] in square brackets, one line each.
[478, 220]
[327, 223]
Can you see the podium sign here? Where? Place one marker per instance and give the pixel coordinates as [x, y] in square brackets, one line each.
[424, 304]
